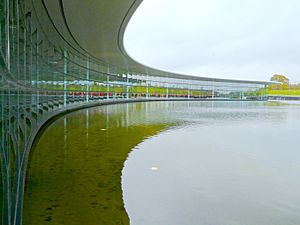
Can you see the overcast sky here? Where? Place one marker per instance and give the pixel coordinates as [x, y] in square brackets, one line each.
[239, 39]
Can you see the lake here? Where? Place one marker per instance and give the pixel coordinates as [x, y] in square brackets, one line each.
[168, 163]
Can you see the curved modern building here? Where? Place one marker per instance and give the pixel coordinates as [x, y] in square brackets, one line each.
[61, 55]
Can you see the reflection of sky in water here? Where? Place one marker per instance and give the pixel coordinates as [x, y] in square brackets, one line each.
[234, 163]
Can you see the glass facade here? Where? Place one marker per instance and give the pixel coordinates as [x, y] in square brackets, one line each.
[42, 73]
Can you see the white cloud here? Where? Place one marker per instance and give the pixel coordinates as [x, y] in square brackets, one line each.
[240, 39]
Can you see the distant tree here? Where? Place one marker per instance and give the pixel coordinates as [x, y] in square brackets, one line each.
[285, 82]
[280, 78]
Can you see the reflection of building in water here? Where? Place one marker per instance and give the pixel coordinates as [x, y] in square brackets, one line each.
[51, 64]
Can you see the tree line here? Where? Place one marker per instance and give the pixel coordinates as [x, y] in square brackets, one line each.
[283, 83]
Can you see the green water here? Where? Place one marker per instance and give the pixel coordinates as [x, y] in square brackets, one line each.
[225, 163]
[74, 174]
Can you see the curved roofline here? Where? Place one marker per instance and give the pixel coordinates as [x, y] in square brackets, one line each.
[159, 72]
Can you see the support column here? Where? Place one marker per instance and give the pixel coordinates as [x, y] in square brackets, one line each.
[7, 31]
[189, 92]
[127, 87]
[36, 66]
[65, 76]
[167, 91]
[147, 91]
[87, 79]
[107, 87]
[265, 97]
[107, 82]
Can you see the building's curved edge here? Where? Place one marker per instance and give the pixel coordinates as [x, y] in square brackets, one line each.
[122, 58]
[34, 124]
[160, 72]
[53, 116]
